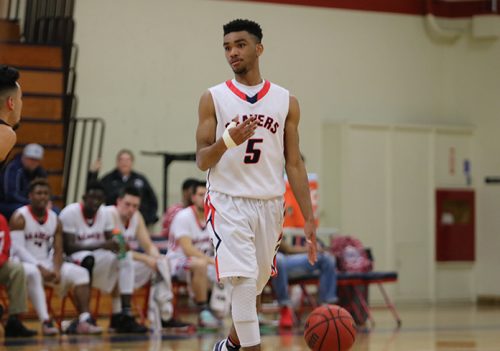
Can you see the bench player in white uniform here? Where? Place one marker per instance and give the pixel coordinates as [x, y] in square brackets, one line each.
[148, 266]
[37, 241]
[191, 254]
[87, 228]
[247, 137]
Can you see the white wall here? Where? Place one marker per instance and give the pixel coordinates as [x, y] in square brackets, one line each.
[144, 64]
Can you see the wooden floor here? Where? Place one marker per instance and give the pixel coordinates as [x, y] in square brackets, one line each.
[444, 328]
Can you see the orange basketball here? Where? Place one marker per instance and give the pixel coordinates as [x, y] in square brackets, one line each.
[330, 328]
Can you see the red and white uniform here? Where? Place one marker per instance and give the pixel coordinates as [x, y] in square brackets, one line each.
[107, 268]
[245, 188]
[38, 237]
[255, 168]
[187, 224]
[142, 272]
[33, 246]
[160, 293]
[87, 231]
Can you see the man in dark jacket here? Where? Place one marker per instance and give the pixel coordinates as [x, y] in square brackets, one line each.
[16, 177]
[124, 176]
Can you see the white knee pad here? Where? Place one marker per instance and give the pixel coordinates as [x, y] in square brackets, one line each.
[244, 310]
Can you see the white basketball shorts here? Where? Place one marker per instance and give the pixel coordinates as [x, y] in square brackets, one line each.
[246, 234]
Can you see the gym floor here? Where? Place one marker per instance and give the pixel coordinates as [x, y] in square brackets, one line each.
[443, 328]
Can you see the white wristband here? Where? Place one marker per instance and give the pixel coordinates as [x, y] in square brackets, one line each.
[227, 138]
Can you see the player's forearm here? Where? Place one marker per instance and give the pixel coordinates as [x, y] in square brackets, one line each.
[139, 256]
[24, 255]
[193, 252]
[208, 156]
[58, 261]
[153, 251]
[297, 177]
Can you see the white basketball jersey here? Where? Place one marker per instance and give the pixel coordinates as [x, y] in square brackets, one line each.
[38, 237]
[255, 168]
[186, 223]
[86, 231]
[128, 231]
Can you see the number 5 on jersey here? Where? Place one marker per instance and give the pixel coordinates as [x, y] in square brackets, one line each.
[253, 153]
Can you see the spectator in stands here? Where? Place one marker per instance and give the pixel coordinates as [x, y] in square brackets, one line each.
[11, 104]
[16, 177]
[187, 191]
[191, 254]
[292, 262]
[124, 175]
[37, 241]
[87, 231]
[12, 276]
[149, 266]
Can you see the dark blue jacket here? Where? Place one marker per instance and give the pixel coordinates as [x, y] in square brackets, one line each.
[15, 181]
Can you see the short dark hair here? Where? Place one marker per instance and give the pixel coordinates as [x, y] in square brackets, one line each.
[239, 25]
[38, 182]
[95, 185]
[129, 190]
[189, 183]
[8, 78]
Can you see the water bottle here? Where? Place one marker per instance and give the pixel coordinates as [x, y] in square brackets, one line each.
[122, 252]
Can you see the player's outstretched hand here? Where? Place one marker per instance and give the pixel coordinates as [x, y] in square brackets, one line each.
[243, 131]
[312, 246]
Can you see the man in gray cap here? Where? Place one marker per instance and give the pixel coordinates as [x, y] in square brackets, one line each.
[16, 177]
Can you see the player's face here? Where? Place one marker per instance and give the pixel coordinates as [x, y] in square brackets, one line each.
[127, 206]
[30, 164]
[40, 197]
[198, 198]
[93, 199]
[242, 51]
[124, 163]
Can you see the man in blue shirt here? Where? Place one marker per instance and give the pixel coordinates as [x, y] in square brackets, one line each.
[16, 177]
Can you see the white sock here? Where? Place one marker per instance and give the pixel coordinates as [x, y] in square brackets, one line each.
[84, 316]
[116, 304]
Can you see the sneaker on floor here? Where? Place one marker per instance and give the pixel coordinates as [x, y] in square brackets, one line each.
[14, 328]
[128, 324]
[286, 318]
[88, 327]
[114, 322]
[69, 326]
[222, 345]
[48, 328]
[206, 319]
[175, 324]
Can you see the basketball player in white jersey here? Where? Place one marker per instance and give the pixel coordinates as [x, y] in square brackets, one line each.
[247, 137]
[37, 241]
[11, 104]
[87, 228]
[148, 266]
[191, 254]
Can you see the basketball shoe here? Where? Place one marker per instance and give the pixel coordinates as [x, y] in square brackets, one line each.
[222, 345]
[286, 318]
